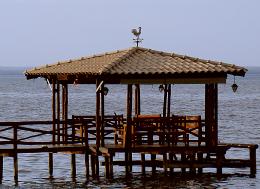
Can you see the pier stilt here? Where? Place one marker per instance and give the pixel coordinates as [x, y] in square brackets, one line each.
[87, 164]
[50, 165]
[111, 166]
[97, 166]
[183, 159]
[1, 169]
[93, 166]
[16, 169]
[153, 160]
[143, 163]
[252, 152]
[200, 158]
[171, 160]
[73, 165]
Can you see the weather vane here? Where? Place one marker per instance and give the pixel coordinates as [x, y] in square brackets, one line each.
[137, 40]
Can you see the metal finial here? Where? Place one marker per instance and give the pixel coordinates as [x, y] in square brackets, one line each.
[137, 34]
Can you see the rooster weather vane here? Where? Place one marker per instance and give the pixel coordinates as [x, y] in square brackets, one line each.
[137, 40]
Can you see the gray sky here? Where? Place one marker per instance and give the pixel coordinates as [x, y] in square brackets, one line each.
[41, 32]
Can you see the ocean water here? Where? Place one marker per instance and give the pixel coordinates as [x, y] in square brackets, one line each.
[239, 122]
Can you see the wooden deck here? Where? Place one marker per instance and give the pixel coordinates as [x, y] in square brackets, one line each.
[193, 155]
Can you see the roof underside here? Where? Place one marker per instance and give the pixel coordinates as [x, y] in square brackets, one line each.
[138, 65]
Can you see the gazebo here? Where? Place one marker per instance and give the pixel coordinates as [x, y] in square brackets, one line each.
[133, 67]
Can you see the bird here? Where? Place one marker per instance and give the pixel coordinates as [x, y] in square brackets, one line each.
[137, 33]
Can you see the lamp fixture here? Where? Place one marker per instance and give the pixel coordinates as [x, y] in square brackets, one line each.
[105, 91]
[234, 86]
[161, 88]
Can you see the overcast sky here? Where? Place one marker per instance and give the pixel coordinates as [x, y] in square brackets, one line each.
[39, 32]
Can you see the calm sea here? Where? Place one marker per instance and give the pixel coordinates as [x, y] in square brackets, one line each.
[239, 122]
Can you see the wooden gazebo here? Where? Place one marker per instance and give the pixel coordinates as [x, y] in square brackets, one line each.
[133, 67]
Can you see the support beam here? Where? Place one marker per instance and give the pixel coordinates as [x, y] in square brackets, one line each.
[211, 114]
[137, 99]
[98, 125]
[1, 168]
[53, 111]
[73, 166]
[102, 115]
[58, 112]
[128, 136]
[50, 165]
[15, 156]
[87, 164]
[169, 100]
[165, 100]
[65, 112]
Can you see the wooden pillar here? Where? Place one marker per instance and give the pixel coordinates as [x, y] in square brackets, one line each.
[1, 169]
[128, 136]
[215, 116]
[98, 125]
[58, 112]
[50, 165]
[169, 101]
[137, 99]
[252, 153]
[165, 100]
[53, 112]
[15, 137]
[65, 112]
[87, 164]
[211, 114]
[102, 116]
[73, 165]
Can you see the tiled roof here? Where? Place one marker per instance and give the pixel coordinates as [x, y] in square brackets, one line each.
[136, 61]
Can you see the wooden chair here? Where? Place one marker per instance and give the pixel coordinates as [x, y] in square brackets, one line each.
[119, 129]
[145, 127]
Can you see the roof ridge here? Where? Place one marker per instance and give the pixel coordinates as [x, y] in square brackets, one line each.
[119, 59]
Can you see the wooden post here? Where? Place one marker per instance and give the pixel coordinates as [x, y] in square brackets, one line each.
[73, 165]
[128, 127]
[111, 165]
[215, 120]
[165, 100]
[58, 112]
[102, 116]
[200, 159]
[1, 169]
[15, 154]
[143, 163]
[153, 160]
[65, 111]
[252, 151]
[211, 114]
[93, 165]
[87, 164]
[53, 112]
[137, 99]
[97, 126]
[50, 165]
[169, 101]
